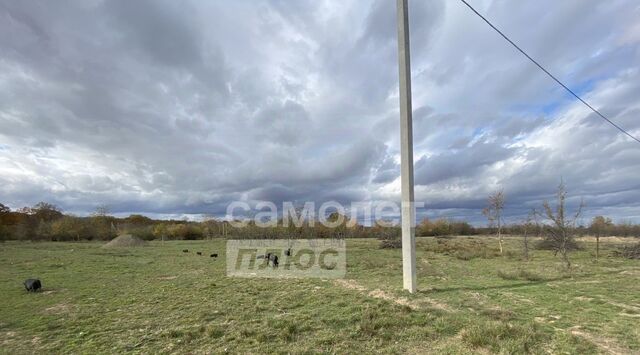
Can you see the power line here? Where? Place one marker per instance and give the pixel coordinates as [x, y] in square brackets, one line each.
[550, 75]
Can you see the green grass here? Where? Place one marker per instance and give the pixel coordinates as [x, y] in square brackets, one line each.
[470, 299]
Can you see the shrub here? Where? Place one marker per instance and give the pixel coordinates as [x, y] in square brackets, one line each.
[184, 231]
[463, 249]
[144, 233]
[629, 252]
[550, 244]
[391, 243]
[390, 237]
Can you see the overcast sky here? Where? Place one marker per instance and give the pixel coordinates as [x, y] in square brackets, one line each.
[176, 108]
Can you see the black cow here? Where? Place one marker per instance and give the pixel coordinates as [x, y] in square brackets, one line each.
[287, 252]
[273, 258]
[214, 255]
[32, 285]
[199, 253]
[185, 250]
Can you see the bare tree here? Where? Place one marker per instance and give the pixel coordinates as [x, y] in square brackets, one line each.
[45, 211]
[493, 212]
[530, 225]
[102, 211]
[561, 230]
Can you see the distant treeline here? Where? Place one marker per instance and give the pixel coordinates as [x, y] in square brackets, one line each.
[47, 222]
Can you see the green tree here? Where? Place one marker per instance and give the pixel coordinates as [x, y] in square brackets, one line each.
[69, 228]
[4, 230]
[44, 230]
[100, 224]
[160, 231]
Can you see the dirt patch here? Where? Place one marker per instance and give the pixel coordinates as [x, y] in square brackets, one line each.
[7, 338]
[21, 343]
[351, 284]
[588, 282]
[582, 298]
[403, 301]
[477, 296]
[625, 306]
[10, 334]
[398, 300]
[61, 308]
[629, 315]
[515, 297]
[548, 319]
[607, 345]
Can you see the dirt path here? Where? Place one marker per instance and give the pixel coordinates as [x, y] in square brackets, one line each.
[607, 345]
[422, 303]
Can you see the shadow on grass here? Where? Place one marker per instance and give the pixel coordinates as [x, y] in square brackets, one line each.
[497, 287]
[513, 285]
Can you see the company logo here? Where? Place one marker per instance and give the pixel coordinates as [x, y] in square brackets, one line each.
[280, 258]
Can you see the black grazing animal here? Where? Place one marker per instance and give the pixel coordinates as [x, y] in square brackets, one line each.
[199, 253]
[273, 258]
[32, 285]
[287, 252]
[185, 250]
[214, 255]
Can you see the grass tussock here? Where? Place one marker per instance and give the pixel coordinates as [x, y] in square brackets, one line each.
[520, 275]
[550, 244]
[463, 249]
[390, 243]
[629, 252]
[505, 337]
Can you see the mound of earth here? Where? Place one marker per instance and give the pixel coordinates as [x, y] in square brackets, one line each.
[125, 241]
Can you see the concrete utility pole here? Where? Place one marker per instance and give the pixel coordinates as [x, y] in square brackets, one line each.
[406, 152]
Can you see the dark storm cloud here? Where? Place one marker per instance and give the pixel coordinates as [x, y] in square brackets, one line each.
[158, 28]
[463, 162]
[176, 108]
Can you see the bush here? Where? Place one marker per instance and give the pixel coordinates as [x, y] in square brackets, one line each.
[70, 228]
[390, 237]
[391, 243]
[144, 233]
[463, 249]
[442, 227]
[629, 252]
[185, 231]
[550, 244]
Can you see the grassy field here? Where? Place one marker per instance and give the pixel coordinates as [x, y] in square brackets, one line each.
[158, 299]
